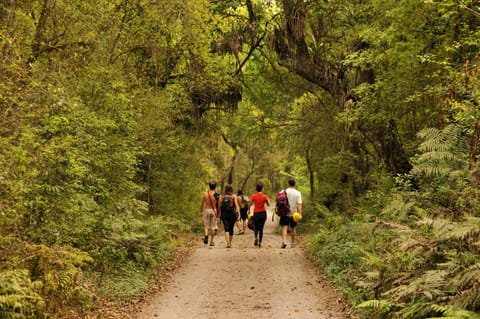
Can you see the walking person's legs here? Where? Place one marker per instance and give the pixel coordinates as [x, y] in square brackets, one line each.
[293, 231]
[227, 238]
[261, 225]
[205, 236]
[230, 238]
[284, 236]
[242, 222]
[229, 226]
[212, 237]
[213, 228]
[284, 222]
[256, 228]
[206, 218]
[237, 223]
[294, 236]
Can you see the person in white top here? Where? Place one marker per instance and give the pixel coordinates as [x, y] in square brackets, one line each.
[295, 203]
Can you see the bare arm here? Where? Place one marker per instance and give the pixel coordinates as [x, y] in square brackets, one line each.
[237, 207]
[219, 208]
[239, 201]
[299, 208]
[202, 204]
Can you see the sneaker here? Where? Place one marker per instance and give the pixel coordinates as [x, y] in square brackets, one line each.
[212, 243]
[259, 245]
[284, 245]
[293, 245]
[205, 240]
[229, 245]
[256, 242]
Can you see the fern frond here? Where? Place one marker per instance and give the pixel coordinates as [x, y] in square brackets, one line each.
[392, 225]
[374, 261]
[472, 273]
[437, 156]
[449, 312]
[18, 299]
[442, 151]
[468, 287]
[449, 139]
[469, 298]
[440, 308]
[435, 224]
[410, 243]
[429, 285]
[380, 306]
[467, 231]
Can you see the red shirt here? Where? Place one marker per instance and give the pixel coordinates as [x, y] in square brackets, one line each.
[259, 200]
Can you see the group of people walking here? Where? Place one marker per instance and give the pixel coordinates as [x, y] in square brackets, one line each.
[233, 209]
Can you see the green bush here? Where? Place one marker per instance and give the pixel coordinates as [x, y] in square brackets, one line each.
[338, 252]
[133, 249]
[19, 296]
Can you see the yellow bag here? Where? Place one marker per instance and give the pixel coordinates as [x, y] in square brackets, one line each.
[297, 217]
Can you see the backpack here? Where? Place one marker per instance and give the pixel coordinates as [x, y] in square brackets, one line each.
[244, 203]
[283, 208]
[227, 205]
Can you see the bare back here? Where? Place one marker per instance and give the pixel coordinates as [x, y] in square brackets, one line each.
[208, 200]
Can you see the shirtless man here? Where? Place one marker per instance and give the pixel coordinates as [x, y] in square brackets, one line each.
[209, 214]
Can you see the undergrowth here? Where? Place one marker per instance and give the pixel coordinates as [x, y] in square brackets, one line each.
[38, 281]
[412, 259]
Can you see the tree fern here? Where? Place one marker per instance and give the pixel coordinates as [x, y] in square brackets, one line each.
[441, 152]
[440, 140]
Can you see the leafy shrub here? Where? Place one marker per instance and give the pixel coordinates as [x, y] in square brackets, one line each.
[133, 248]
[54, 275]
[337, 251]
[59, 269]
[19, 296]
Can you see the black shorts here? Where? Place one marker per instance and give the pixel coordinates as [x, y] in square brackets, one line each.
[243, 213]
[287, 221]
[228, 222]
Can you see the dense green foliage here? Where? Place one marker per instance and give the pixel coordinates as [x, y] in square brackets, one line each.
[115, 114]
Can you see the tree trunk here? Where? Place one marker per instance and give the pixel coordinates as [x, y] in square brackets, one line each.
[311, 173]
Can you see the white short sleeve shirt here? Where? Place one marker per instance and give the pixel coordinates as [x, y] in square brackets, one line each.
[294, 198]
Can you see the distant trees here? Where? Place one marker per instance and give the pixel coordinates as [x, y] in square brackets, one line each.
[115, 114]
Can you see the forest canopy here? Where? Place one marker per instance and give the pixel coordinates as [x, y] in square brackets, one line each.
[114, 115]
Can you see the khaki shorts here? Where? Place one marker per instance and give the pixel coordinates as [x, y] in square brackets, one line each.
[209, 218]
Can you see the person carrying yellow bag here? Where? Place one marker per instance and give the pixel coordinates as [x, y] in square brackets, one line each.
[291, 218]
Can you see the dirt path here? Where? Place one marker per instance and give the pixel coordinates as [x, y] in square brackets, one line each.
[246, 282]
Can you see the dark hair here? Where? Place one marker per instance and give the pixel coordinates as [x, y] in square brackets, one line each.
[228, 189]
[212, 185]
[259, 187]
[239, 192]
[291, 182]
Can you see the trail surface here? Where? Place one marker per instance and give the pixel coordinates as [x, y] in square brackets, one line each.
[245, 282]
